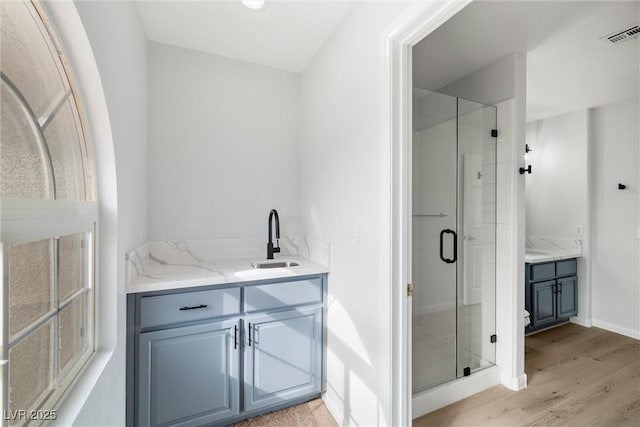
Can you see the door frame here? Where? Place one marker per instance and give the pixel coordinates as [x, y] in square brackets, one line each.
[419, 21]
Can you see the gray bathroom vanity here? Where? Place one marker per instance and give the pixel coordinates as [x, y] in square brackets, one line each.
[231, 340]
[551, 292]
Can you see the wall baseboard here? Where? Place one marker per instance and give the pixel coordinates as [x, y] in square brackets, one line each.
[631, 333]
[514, 383]
[582, 321]
[334, 409]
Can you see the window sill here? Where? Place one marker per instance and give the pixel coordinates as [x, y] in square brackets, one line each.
[79, 392]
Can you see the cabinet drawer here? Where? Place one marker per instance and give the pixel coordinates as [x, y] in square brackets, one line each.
[265, 297]
[566, 267]
[187, 306]
[543, 271]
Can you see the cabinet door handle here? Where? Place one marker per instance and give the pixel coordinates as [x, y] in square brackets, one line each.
[559, 288]
[193, 307]
[249, 334]
[235, 337]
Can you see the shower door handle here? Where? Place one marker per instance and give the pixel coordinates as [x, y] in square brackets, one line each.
[455, 246]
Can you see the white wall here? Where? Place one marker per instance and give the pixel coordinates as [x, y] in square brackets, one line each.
[489, 85]
[556, 191]
[223, 146]
[615, 273]
[343, 111]
[125, 88]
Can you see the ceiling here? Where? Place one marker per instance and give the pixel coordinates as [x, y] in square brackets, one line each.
[568, 67]
[283, 34]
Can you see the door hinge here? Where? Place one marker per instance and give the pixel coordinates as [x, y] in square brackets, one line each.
[494, 133]
[409, 289]
[494, 338]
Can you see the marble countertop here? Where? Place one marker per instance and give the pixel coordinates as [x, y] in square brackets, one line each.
[537, 255]
[545, 249]
[179, 264]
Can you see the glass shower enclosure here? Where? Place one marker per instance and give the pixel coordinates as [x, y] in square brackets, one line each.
[453, 238]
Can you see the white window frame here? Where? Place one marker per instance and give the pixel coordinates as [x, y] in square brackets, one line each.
[25, 220]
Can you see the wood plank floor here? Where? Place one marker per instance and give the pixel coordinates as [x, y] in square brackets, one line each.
[576, 377]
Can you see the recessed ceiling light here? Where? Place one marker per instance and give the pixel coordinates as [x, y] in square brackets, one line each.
[253, 4]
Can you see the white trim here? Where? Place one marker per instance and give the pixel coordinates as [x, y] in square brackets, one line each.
[413, 26]
[582, 321]
[335, 409]
[70, 30]
[453, 391]
[611, 327]
[70, 406]
[514, 383]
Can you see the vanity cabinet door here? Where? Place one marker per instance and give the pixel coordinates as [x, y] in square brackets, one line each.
[567, 297]
[188, 376]
[543, 303]
[283, 356]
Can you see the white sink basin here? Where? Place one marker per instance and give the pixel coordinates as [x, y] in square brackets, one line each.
[274, 264]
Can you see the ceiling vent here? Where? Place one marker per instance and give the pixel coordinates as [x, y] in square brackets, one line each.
[623, 35]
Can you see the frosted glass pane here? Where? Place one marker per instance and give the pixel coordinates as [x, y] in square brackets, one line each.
[72, 326]
[70, 265]
[31, 369]
[29, 58]
[31, 276]
[64, 142]
[23, 165]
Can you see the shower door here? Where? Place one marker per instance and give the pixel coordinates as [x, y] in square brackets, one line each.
[453, 238]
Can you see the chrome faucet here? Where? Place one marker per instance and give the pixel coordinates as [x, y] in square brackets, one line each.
[270, 249]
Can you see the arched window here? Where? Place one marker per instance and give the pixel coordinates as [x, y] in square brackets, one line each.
[48, 215]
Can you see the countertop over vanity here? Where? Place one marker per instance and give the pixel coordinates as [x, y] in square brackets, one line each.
[544, 249]
[162, 265]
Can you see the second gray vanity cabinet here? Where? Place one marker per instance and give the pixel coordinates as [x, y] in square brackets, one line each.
[551, 293]
[188, 376]
[282, 356]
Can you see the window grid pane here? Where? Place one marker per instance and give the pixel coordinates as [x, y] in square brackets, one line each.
[24, 167]
[72, 326]
[86, 150]
[31, 369]
[29, 57]
[31, 283]
[63, 141]
[70, 265]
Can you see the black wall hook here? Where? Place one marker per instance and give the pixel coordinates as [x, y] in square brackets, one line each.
[621, 186]
[527, 170]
